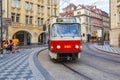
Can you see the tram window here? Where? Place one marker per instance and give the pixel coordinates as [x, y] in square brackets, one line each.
[65, 30]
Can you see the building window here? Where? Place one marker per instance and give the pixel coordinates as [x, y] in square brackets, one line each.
[31, 6]
[55, 11]
[13, 17]
[26, 5]
[27, 19]
[54, 1]
[42, 21]
[39, 21]
[31, 19]
[48, 1]
[13, 3]
[48, 11]
[18, 3]
[18, 18]
[119, 17]
[39, 9]
[86, 19]
[79, 13]
[42, 9]
[87, 28]
[86, 12]
[80, 19]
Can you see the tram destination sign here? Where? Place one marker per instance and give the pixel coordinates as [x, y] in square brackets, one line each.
[69, 20]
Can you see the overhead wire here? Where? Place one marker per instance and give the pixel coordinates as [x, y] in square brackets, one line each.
[64, 1]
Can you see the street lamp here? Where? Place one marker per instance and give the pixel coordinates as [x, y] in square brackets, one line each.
[1, 26]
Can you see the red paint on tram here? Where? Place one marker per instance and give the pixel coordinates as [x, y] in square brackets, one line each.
[65, 46]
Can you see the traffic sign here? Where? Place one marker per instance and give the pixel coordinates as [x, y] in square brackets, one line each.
[7, 21]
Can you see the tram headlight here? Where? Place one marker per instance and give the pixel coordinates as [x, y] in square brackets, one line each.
[58, 46]
[76, 46]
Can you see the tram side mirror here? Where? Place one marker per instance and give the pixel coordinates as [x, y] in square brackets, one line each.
[44, 27]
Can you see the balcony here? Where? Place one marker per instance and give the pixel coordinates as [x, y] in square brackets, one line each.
[24, 26]
[40, 27]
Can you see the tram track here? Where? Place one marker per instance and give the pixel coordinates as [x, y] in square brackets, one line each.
[84, 77]
[75, 71]
[90, 65]
[97, 68]
[103, 58]
[86, 68]
[100, 55]
[89, 71]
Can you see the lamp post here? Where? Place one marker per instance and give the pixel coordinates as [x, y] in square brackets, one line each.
[1, 24]
[35, 35]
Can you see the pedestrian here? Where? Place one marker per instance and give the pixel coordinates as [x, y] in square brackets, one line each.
[3, 43]
[15, 47]
[10, 47]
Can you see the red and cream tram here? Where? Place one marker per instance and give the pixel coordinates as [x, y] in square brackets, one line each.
[64, 38]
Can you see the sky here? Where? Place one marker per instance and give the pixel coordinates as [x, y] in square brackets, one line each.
[101, 4]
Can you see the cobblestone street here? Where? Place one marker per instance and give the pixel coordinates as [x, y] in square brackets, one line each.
[19, 66]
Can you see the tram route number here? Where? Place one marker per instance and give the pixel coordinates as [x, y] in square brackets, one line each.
[67, 46]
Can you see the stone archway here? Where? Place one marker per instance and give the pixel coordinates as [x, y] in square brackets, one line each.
[42, 38]
[24, 37]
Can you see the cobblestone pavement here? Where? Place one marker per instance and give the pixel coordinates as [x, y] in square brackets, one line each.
[19, 66]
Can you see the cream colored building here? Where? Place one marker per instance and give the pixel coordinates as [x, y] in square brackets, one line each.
[92, 19]
[4, 15]
[115, 23]
[84, 17]
[27, 18]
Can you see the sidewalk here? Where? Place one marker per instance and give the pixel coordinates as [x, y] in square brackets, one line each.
[5, 54]
[107, 48]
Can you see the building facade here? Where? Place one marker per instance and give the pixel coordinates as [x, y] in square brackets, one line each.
[85, 21]
[92, 19]
[27, 19]
[68, 10]
[115, 23]
[3, 32]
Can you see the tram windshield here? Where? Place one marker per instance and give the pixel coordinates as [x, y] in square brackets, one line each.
[65, 30]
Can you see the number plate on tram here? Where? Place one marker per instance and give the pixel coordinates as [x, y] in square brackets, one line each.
[67, 46]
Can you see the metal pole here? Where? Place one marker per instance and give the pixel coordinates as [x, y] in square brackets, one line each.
[1, 24]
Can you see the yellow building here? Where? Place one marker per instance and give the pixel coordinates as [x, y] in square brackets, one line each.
[115, 23]
[27, 18]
